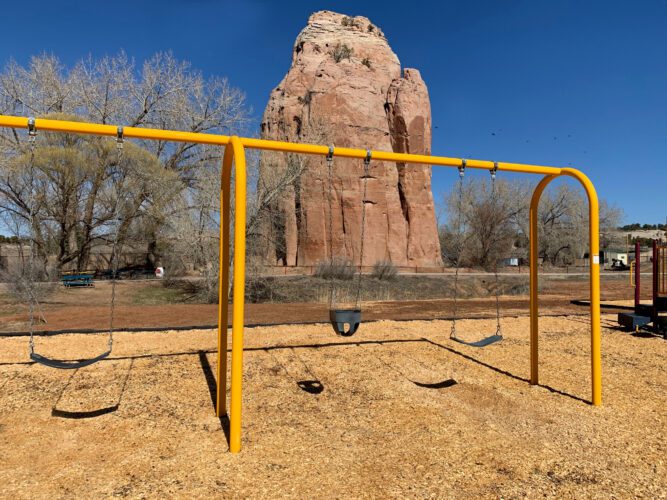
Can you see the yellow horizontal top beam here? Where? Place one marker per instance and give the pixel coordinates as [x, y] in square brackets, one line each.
[279, 146]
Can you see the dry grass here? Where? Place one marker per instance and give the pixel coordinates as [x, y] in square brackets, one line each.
[371, 433]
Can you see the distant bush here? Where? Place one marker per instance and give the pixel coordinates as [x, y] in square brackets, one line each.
[198, 291]
[339, 269]
[259, 290]
[341, 51]
[385, 271]
[21, 287]
[366, 62]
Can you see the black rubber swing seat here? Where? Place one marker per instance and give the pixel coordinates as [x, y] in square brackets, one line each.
[341, 317]
[67, 365]
[480, 343]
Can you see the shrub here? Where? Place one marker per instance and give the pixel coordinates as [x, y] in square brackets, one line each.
[384, 270]
[350, 21]
[259, 290]
[306, 99]
[198, 291]
[18, 285]
[337, 268]
[366, 62]
[341, 51]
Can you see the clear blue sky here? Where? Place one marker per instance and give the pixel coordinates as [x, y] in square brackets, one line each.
[558, 82]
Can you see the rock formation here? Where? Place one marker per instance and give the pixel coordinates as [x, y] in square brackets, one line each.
[345, 88]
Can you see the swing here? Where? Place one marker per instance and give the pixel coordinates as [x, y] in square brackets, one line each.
[497, 336]
[39, 358]
[345, 322]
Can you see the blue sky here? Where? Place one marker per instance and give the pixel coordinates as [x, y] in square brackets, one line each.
[549, 82]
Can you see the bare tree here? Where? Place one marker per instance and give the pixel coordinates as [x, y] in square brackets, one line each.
[75, 188]
[161, 93]
[563, 224]
[276, 204]
[492, 227]
[489, 221]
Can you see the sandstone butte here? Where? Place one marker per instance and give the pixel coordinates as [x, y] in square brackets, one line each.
[345, 87]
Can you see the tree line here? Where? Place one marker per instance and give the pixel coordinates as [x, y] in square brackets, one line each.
[493, 224]
[638, 227]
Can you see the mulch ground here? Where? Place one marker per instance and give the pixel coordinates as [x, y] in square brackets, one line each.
[141, 424]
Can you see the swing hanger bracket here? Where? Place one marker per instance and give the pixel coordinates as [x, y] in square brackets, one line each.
[462, 168]
[494, 170]
[32, 129]
[120, 138]
[367, 160]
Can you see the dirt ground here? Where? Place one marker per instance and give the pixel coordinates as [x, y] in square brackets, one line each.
[87, 308]
[141, 424]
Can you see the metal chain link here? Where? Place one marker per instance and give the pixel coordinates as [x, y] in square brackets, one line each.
[367, 165]
[459, 249]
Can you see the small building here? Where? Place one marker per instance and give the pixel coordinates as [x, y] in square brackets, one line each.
[615, 256]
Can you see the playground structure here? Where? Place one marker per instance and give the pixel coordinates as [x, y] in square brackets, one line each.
[649, 315]
[234, 158]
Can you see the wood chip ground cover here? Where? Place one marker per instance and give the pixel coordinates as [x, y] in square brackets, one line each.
[141, 424]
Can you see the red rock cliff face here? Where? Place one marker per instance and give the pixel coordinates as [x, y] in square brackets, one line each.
[345, 88]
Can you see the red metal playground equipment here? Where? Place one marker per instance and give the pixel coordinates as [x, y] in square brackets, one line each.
[651, 316]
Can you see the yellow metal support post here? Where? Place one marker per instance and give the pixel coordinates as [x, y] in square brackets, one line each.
[223, 280]
[534, 254]
[594, 253]
[238, 290]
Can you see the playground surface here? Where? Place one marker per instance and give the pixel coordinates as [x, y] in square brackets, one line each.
[142, 424]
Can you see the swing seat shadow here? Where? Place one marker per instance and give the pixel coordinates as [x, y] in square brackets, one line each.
[311, 386]
[436, 385]
[212, 390]
[503, 372]
[55, 412]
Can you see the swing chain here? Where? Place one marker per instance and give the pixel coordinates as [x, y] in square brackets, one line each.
[494, 208]
[459, 244]
[32, 143]
[367, 166]
[330, 160]
[120, 140]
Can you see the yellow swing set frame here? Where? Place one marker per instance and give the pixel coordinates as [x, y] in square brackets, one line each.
[234, 158]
